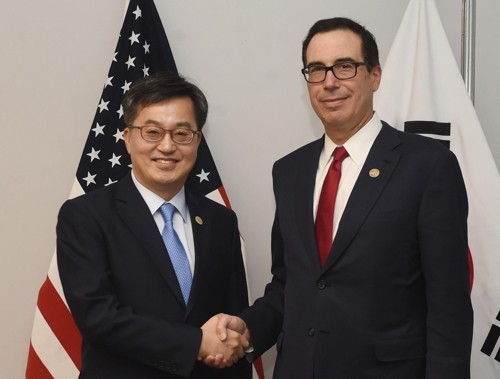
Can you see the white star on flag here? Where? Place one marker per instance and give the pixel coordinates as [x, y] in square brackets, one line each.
[94, 154]
[99, 129]
[126, 86]
[110, 182]
[137, 12]
[130, 62]
[203, 175]
[108, 82]
[118, 135]
[103, 105]
[115, 160]
[134, 38]
[90, 178]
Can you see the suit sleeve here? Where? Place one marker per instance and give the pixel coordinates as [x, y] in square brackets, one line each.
[442, 228]
[102, 319]
[264, 319]
[237, 286]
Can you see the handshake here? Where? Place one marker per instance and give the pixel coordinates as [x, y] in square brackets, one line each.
[224, 341]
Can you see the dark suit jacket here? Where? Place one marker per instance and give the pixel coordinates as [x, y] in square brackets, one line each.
[393, 299]
[123, 293]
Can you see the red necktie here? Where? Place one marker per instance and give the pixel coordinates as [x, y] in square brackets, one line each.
[326, 205]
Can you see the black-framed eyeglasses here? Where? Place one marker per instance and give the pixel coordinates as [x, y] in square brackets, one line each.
[151, 133]
[342, 71]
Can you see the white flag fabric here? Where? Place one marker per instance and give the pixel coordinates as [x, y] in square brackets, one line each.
[423, 92]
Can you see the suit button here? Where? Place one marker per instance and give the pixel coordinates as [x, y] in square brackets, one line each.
[321, 284]
[311, 332]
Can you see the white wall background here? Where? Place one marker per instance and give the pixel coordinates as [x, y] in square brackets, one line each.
[244, 54]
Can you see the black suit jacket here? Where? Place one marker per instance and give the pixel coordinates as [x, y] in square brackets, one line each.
[123, 293]
[392, 300]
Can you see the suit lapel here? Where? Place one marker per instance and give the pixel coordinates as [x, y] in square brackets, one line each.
[305, 182]
[366, 191]
[133, 210]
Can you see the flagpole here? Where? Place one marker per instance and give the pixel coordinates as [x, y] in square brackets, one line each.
[469, 45]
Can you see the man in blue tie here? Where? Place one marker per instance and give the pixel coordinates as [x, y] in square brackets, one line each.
[144, 263]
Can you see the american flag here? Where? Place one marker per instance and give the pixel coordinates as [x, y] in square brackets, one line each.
[142, 49]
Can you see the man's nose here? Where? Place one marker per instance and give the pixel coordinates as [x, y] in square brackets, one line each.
[331, 80]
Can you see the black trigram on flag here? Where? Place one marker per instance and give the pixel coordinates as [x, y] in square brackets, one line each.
[440, 131]
[492, 340]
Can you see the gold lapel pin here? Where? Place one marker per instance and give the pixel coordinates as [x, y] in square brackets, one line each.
[374, 172]
[198, 220]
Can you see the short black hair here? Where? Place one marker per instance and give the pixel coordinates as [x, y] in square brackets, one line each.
[159, 87]
[368, 44]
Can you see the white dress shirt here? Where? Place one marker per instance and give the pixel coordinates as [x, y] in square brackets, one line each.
[181, 218]
[358, 147]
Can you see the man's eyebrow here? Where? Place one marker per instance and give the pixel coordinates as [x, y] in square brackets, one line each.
[183, 124]
[180, 124]
[346, 59]
[315, 63]
[339, 60]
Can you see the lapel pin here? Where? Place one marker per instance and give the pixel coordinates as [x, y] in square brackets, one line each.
[374, 172]
[198, 220]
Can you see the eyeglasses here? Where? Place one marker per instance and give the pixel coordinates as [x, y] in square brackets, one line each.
[342, 71]
[181, 136]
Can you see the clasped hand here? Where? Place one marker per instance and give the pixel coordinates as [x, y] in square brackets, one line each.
[224, 341]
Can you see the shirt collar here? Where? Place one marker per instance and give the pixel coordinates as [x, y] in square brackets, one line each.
[358, 146]
[154, 202]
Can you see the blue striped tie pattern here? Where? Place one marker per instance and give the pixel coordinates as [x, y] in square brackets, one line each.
[176, 251]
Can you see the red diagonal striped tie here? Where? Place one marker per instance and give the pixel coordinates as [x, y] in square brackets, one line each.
[326, 205]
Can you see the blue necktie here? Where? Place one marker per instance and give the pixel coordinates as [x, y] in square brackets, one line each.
[176, 251]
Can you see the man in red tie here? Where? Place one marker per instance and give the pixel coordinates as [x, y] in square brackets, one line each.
[369, 242]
